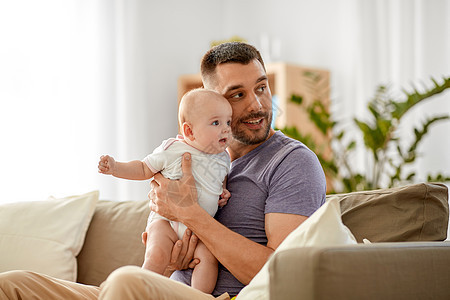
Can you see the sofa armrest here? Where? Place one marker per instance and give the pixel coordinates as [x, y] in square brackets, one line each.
[409, 270]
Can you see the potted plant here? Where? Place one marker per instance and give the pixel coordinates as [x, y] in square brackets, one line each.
[389, 158]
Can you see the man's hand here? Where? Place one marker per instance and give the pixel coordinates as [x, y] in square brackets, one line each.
[183, 254]
[172, 198]
[106, 165]
[224, 197]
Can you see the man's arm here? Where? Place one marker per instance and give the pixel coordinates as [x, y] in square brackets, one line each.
[278, 226]
[241, 256]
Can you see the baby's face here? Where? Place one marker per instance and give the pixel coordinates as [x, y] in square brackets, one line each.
[211, 125]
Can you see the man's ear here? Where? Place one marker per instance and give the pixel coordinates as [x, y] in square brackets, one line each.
[187, 131]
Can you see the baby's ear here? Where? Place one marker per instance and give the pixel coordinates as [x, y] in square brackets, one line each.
[186, 130]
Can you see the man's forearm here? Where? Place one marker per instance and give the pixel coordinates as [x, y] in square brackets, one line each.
[241, 256]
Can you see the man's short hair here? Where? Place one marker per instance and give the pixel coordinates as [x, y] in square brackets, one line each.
[232, 52]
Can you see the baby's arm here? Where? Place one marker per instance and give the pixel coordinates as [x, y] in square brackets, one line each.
[133, 170]
[225, 194]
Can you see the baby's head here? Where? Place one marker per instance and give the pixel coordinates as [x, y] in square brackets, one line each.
[205, 118]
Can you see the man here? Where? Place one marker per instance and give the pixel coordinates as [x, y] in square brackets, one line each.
[275, 184]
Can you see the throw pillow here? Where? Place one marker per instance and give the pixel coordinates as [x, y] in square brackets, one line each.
[45, 236]
[323, 228]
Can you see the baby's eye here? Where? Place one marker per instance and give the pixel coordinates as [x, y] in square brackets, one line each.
[215, 123]
[229, 123]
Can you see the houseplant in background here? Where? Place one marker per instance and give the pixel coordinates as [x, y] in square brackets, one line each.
[390, 158]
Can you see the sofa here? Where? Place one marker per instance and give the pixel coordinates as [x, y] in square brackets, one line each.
[401, 251]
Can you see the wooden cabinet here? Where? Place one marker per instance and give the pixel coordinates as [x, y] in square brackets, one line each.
[284, 81]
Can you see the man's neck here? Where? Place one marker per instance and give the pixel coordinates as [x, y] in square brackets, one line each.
[237, 149]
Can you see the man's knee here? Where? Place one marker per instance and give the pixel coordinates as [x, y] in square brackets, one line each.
[124, 283]
[124, 275]
[15, 277]
[13, 283]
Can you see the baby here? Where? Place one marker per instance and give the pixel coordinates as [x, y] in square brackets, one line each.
[204, 118]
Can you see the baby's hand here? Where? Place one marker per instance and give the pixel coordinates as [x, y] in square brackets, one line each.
[224, 197]
[106, 164]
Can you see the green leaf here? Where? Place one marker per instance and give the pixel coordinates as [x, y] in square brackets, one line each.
[370, 135]
[411, 176]
[320, 117]
[296, 99]
[415, 97]
[438, 178]
[420, 133]
[351, 145]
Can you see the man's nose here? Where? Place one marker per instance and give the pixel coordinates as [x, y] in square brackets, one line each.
[254, 103]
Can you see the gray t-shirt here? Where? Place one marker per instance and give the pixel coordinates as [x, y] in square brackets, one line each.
[280, 176]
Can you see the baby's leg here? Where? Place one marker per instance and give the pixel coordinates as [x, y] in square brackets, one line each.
[204, 276]
[159, 239]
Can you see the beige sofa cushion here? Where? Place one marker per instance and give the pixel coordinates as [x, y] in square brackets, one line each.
[417, 212]
[113, 240]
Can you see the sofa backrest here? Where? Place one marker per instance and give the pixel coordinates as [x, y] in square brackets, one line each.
[113, 240]
[417, 212]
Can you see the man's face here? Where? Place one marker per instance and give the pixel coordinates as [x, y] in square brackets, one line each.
[246, 87]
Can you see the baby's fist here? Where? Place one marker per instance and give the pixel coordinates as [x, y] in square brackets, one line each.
[106, 164]
[224, 197]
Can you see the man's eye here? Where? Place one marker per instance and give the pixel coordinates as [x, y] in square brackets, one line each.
[238, 95]
[262, 88]
[215, 123]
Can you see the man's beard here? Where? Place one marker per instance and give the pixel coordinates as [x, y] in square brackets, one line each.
[246, 138]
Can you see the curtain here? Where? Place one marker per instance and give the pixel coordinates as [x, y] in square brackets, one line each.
[402, 44]
[64, 80]
[48, 78]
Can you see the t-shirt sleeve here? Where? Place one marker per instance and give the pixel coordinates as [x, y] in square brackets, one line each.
[156, 161]
[297, 185]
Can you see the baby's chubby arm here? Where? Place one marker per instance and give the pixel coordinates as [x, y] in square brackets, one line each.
[133, 170]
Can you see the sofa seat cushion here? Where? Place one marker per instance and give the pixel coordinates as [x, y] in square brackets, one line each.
[417, 212]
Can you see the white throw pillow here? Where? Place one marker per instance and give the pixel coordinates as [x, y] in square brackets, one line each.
[323, 228]
[45, 236]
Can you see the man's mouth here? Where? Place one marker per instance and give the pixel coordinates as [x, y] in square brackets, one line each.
[254, 122]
